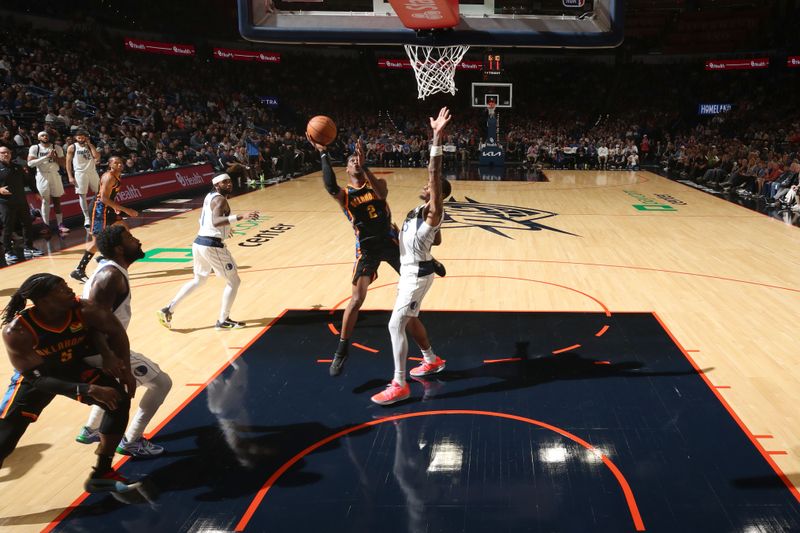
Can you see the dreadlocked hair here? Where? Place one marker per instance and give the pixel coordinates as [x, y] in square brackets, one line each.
[32, 289]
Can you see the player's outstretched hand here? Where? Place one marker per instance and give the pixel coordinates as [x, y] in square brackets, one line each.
[319, 147]
[438, 123]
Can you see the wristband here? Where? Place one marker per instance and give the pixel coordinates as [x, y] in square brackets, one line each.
[82, 390]
[436, 151]
[233, 219]
[322, 154]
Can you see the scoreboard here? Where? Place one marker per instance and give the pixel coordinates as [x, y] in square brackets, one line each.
[492, 64]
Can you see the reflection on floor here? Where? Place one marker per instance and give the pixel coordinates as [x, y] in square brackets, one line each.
[615, 431]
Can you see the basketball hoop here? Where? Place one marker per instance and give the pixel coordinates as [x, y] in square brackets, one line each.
[435, 67]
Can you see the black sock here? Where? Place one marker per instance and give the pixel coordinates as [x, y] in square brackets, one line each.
[344, 345]
[87, 256]
[103, 464]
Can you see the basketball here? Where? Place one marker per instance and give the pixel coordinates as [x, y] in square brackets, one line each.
[321, 129]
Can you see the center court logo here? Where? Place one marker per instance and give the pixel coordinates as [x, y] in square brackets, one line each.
[496, 218]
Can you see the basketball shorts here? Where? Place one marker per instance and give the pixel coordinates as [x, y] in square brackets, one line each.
[22, 402]
[102, 217]
[87, 180]
[143, 369]
[370, 259]
[411, 289]
[218, 259]
[49, 185]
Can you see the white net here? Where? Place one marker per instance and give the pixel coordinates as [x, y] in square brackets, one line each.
[435, 67]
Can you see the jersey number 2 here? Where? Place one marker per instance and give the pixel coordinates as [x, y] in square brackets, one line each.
[371, 211]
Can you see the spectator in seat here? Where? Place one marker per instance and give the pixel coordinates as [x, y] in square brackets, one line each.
[602, 156]
[131, 143]
[645, 148]
[160, 162]
[633, 161]
[22, 138]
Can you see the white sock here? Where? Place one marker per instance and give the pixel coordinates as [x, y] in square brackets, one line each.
[429, 356]
[46, 209]
[157, 390]
[185, 291]
[95, 416]
[228, 296]
[397, 330]
[84, 206]
[59, 218]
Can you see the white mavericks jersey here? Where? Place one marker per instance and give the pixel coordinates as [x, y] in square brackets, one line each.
[122, 310]
[207, 228]
[46, 167]
[416, 238]
[82, 160]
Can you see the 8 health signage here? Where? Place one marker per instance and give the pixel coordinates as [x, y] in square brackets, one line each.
[142, 187]
[406, 64]
[737, 64]
[246, 55]
[156, 47]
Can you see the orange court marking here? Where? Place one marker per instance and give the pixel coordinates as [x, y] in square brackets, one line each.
[602, 331]
[623, 483]
[567, 349]
[759, 447]
[365, 348]
[502, 360]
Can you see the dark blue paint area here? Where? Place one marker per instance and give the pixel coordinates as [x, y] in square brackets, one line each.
[689, 465]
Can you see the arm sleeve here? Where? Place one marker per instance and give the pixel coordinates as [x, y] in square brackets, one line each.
[39, 160]
[53, 385]
[328, 177]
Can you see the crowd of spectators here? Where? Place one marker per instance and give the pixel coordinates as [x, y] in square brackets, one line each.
[161, 111]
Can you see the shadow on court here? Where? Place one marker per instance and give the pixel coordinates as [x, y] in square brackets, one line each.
[22, 459]
[526, 373]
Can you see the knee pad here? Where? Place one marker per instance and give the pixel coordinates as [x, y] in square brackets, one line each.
[114, 422]
[397, 324]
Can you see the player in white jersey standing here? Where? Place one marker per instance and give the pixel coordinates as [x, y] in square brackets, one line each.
[46, 158]
[210, 253]
[421, 231]
[82, 158]
[109, 287]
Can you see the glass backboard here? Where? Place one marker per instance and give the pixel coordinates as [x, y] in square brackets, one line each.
[500, 23]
